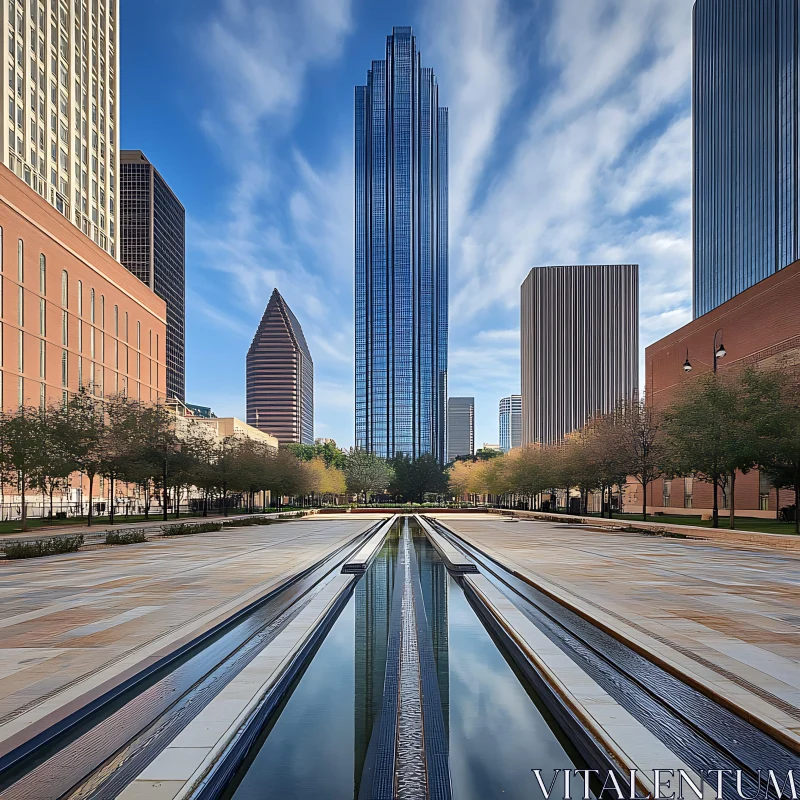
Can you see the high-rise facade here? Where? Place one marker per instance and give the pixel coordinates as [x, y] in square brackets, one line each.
[280, 376]
[61, 91]
[153, 247]
[579, 346]
[401, 256]
[510, 418]
[460, 427]
[746, 118]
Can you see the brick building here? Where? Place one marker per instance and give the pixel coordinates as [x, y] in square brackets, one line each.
[759, 326]
[70, 315]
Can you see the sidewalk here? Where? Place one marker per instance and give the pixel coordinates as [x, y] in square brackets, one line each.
[154, 524]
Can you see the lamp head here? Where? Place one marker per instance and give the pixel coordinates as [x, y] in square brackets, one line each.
[721, 351]
[687, 367]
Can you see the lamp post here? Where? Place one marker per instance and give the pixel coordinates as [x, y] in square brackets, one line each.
[719, 352]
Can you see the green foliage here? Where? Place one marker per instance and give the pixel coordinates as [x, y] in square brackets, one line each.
[131, 536]
[328, 452]
[51, 546]
[244, 522]
[364, 473]
[413, 479]
[189, 528]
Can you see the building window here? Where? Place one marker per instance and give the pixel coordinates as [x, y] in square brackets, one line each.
[139, 336]
[91, 306]
[20, 392]
[80, 372]
[116, 320]
[64, 369]
[42, 396]
[42, 358]
[21, 306]
[42, 274]
[21, 352]
[763, 502]
[126, 326]
[42, 317]
[64, 329]
[688, 488]
[64, 289]
[80, 298]
[80, 336]
[20, 262]
[103, 311]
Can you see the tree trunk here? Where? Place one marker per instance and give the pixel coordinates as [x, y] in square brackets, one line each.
[111, 498]
[224, 500]
[732, 501]
[52, 489]
[715, 515]
[164, 490]
[205, 504]
[91, 487]
[797, 508]
[23, 510]
[644, 501]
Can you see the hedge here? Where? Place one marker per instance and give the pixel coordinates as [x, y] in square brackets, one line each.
[44, 547]
[186, 528]
[132, 536]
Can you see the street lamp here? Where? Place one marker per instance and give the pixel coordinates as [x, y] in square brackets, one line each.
[719, 352]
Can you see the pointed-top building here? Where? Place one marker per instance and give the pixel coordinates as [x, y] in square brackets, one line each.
[280, 376]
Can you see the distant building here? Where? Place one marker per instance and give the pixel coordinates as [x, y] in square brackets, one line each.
[401, 256]
[216, 428]
[200, 411]
[579, 346]
[510, 422]
[280, 376]
[495, 447]
[153, 248]
[746, 165]
[460, 427]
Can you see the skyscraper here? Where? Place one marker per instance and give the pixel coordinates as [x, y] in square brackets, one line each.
[401, 251]
[61, 88]
[579, 348]
[153, 248]
[510, 422]
[280, 376]
[460, 427]
[746, 117]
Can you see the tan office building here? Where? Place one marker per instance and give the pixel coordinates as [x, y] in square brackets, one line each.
[60, 88]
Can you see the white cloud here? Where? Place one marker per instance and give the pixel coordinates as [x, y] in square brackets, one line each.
[592, 166]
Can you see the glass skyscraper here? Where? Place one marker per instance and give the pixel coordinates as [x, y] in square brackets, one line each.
[401, 250]
[746, 154]
[510, 418]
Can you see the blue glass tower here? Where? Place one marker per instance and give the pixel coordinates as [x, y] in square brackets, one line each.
[401, 256]
[746, 145]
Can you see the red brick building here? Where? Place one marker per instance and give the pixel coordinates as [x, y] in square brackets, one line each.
[759, 326]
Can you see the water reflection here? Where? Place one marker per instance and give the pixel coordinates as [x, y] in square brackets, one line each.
[318, 745]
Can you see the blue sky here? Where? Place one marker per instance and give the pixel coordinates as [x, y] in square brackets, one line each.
[570, 142]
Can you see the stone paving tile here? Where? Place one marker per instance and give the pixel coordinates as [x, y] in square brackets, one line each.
[65, 620]
[729, 613]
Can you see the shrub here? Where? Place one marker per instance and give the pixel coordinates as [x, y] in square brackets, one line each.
[44, 547]
[245, 521]
[186, 529]
[132, 536]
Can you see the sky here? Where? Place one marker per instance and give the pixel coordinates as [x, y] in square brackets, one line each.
[570, 143]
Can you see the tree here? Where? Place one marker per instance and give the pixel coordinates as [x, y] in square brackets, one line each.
[641, 444]
[54, 468]
[415, 478]
[710, 434]
[85, 431]
[459, 478]
[604, 455]
[364, 473]
[119, 441]
[327, 481]
[773, 403]
[22, 451]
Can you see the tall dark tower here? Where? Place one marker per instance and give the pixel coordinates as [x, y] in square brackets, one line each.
[153, 247]
[280, 376]
[746, 143]
[401, 251]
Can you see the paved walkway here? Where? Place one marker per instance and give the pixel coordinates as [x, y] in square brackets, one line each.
[726, 617]
[73, 624]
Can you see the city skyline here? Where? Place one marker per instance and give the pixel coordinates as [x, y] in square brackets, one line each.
[272, 204]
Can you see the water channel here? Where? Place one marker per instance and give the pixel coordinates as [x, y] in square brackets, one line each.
[494, 728]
